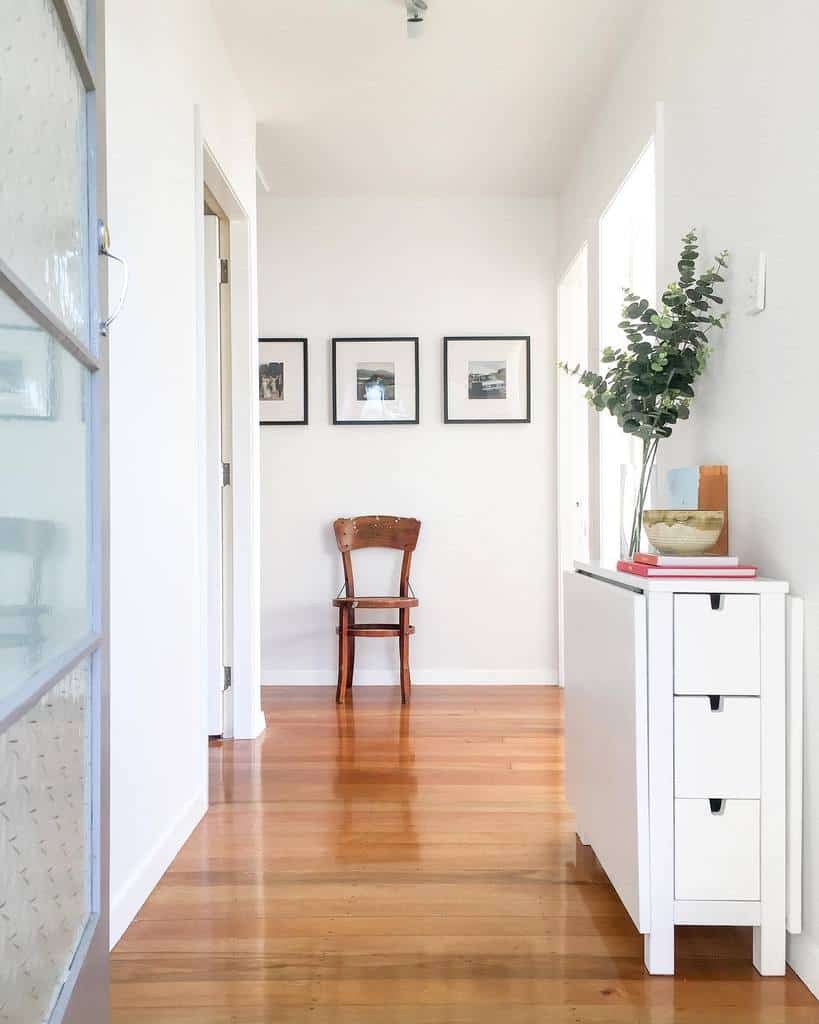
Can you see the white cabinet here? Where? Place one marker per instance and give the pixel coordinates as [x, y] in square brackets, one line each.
[677, 732]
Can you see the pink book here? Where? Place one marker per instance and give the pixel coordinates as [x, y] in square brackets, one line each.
[689, 561]
[735, 572]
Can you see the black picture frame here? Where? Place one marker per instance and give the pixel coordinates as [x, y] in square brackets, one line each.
[489, 337]
[305, 419]
[334, 382]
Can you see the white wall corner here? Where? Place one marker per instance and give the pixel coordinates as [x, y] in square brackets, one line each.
[126, 903]
[803, 957]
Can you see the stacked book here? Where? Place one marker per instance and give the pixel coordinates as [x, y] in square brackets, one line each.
[674, 567]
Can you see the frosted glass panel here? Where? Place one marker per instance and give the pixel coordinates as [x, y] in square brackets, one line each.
[43, 180]
[44, 847]
[44, 504]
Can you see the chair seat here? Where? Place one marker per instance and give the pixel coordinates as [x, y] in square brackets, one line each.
[376, 629]
[376, 602]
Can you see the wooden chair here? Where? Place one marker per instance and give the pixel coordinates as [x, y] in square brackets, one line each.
[374, 532]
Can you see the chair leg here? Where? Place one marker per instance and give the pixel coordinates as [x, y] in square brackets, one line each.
[403, 653]
[350, 660]
[350, 648]
[343, 654]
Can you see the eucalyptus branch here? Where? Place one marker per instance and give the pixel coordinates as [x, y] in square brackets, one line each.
[649, 384]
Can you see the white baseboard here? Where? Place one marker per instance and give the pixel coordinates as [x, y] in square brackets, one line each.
[420, 677]
[803, 956]
[126, 903]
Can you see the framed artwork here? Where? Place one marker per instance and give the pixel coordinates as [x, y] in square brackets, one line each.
[375, 380]
[27, 374]
[487, 380]
[282, 381]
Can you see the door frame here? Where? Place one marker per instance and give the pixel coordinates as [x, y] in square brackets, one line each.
[218, 471]
[243, 709]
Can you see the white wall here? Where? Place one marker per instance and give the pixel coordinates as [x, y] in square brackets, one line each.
[164, 59]
[741, 163]
[485, 565]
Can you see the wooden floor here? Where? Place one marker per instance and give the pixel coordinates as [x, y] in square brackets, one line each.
[374, 864]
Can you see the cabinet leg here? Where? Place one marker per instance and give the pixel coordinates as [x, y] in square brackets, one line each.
[658, 950]
[769, 949]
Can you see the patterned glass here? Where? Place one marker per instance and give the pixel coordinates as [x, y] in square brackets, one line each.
[45, 605]
[43, 174]
[45, 863]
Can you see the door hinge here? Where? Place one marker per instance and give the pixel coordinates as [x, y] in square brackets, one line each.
[226, 474]
[228, 678]
[224, 272]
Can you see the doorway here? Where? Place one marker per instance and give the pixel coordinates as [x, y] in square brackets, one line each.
[219, 392]
[572, 427]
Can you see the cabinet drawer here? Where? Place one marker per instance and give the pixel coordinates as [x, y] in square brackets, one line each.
[717, 753]
[716, 644]
[716, 856]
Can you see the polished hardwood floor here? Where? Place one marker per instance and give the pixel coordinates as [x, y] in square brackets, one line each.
[379, 864]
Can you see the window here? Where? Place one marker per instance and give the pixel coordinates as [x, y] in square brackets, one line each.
[628, 258]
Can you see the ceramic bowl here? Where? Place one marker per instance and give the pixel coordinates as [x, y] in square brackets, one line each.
[682, 531]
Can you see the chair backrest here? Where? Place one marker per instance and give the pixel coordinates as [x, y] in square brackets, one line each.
[376, 532]
[31, 538]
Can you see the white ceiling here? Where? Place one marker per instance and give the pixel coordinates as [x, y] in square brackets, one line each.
[492, 99]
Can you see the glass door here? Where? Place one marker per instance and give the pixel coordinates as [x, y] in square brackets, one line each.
[53, 548]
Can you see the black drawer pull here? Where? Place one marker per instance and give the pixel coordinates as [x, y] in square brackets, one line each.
[715, 702]
[716, 602]
[717, 804]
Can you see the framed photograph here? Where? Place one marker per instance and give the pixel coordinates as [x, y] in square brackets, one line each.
[282, 381]
[487, 380]
[27, 374]
[375, 380]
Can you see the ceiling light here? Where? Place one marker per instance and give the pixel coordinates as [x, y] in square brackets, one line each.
[416, 9]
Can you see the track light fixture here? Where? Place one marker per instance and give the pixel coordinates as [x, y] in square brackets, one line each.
[416, 10]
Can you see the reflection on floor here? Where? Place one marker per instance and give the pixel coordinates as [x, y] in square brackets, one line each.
[374, 864]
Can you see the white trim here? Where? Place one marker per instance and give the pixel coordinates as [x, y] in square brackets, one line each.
[126, 903]
[420, 677]
[803, 957]
[795, 760]
[719, 912]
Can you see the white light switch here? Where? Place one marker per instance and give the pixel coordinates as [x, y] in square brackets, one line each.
[758, 285]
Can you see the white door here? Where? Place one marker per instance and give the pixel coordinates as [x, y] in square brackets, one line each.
[220, 491]
[53, 519]
[572, 428]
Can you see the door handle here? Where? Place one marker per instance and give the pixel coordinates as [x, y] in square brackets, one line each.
[103, 247]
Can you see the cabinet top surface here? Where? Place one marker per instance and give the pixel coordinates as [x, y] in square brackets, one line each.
[683, 585]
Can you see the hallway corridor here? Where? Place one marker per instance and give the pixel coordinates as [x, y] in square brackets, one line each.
[373, 864]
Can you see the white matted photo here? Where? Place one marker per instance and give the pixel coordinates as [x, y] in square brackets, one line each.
[487, 379]
[375, 380]
[282, 381]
